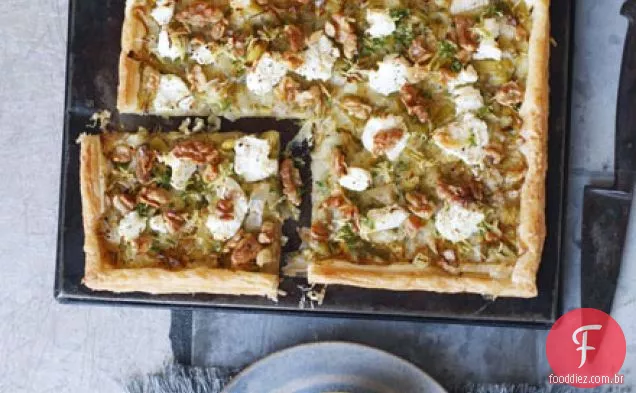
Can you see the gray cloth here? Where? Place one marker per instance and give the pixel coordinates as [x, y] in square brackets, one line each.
[180, 379]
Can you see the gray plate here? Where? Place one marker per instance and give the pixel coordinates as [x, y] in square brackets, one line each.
[333, 367]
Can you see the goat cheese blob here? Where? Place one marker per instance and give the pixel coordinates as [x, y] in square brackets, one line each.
[466, 76]
[258, 200]
[251, 159]
[172, 95]
[463, 6]
[163, 12]
[467, 99]
[169, 46]
[380, 23]
[158, 224]
[456, 223]
[386, 218]
[488, 48]
[182, 169]
[356, 179]
[240, 4]
[391, 75]
[464, 139]
[202, 55]
[266, 74]
[131, 226]
[225, 227]
[319, 59]
[385, 135]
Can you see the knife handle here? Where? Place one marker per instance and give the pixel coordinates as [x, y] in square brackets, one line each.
[625, 159]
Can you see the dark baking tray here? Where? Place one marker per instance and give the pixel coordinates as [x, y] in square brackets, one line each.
[93, 51]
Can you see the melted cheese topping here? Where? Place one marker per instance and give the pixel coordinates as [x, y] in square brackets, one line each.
[131, 226]
[488, 47]
[251, 160]
[319, 59]
[391, 75]
[172, 95]
[240, 4]
[222, 228]
[377, 124]
[170, 47]
[182, 170]
[466, 76]
[163, 12]
[464, 139]
[158, 224]
[258, 199]
[456, 223]
[386, 218]
[467, 99]
[356, 179]
[202, 55]
[266, 74]
[465, 6]
[380, 23]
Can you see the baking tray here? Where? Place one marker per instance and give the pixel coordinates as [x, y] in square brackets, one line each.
[93, 51]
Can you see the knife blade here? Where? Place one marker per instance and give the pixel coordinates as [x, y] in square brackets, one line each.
[606, 211]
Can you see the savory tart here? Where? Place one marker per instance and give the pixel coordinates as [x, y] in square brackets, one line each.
[177, 213]
[429, 123]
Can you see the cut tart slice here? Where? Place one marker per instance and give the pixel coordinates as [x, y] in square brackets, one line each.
[177, 213]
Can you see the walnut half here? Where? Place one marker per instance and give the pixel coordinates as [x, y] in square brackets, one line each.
[244, 255]
[145, 158]
[197, 151]
[462, 195]
[152, 196]
[356, 108]
[419, 204]
[343, 32]
[415, 103]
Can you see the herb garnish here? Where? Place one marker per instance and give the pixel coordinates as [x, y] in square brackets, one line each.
[142, 209]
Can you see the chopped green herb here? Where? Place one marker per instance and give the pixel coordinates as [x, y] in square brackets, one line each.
[162, 177]
[367, 222]
[346, 235]
[401, 166]
[121, 166]
[496, 8]
[446, 49]
[217, 246]
[156, 247]
[483, 112]
[321, 184]
[403, 36]
[456, 65]
[472, 140]
[399, 13]
[225, 104]
[142, 209]
[373, 45]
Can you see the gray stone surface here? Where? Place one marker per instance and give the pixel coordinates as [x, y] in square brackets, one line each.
[46, 347]
[450, 353]
[455, 353]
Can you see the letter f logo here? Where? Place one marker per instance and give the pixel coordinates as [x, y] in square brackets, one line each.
[584, 347]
